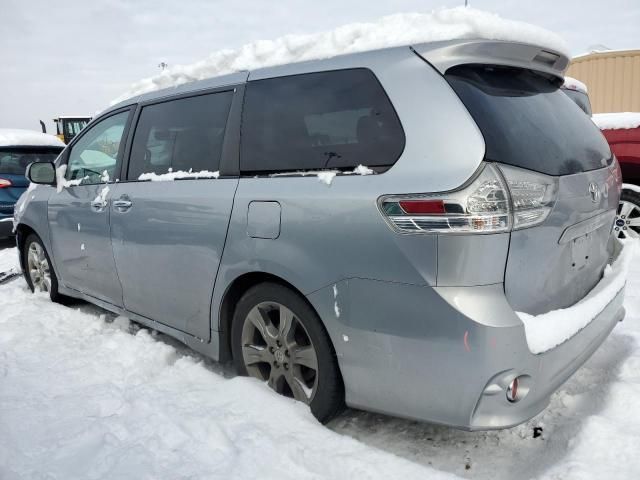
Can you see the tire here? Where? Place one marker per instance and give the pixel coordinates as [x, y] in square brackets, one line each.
[627, 224]
[37, 279]
[283, 353]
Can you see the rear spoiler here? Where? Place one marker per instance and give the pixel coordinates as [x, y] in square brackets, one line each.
[444, 55]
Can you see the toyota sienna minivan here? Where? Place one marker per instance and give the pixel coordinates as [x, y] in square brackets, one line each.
[366, 229]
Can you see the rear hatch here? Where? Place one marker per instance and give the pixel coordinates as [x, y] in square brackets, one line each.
[13, 163]
[533, 130]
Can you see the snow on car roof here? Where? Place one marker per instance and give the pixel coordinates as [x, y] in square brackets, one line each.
[574, 84]
[14, 137]
[619, 120]
[390, 31]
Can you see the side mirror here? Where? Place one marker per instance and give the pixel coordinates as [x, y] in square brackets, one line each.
[43, 173]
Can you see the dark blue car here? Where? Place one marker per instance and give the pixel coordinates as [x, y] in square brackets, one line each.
[18, 148]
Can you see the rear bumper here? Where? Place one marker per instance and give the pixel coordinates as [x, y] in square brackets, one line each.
[6, 226]
[446, 354]
[548, 372]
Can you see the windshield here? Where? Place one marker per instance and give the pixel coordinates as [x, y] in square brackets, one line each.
[528, 122]
[580, 98]
[14, 161]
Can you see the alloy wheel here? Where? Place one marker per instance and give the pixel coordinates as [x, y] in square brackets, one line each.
[627, 223]
[277, 348]
[39, 268]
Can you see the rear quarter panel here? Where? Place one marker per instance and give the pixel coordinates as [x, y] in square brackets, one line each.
[333, 232]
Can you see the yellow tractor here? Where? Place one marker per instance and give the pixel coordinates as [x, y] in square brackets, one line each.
[68, 127]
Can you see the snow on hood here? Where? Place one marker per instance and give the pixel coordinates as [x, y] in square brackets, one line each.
[390, 31]
[13, 137]
[575, 84]
[620, 120]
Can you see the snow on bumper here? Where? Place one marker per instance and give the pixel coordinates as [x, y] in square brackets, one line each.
[548, 330]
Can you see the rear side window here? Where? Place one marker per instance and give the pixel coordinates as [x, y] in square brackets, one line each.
[14, 161]
[528, 121]
[182, 135]
[338, 120]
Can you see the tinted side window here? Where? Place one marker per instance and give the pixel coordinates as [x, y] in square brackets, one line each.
[336, 119]
[97, 150]
[184, 134]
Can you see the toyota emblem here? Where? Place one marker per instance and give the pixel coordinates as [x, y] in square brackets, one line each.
[594, 191]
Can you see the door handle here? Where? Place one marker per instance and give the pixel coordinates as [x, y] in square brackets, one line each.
[122, 205]
[99, 205]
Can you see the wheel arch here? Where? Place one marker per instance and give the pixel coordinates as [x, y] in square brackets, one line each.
[22, 232]
[232, 295]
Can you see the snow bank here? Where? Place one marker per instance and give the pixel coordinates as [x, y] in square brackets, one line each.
[178, 175]
[81, 397]
[9, 260]
[390, 31]
[620, 120]
[10, 137]
[575, 84]
[550, 329]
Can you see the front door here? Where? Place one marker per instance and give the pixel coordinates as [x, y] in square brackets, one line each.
[79, 213]
[169, 216]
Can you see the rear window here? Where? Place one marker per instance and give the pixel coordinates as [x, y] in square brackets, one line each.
[528, 121]
[14, 161]
[336, 120]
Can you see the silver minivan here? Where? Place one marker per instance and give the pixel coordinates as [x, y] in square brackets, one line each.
[357, 230]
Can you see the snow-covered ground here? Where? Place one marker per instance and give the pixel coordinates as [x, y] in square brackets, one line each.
[84, 395]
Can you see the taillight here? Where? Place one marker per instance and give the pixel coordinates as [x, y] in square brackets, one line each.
[532, 195]
[481, 207]
[497, 200]
[616, 172]
[4, 183]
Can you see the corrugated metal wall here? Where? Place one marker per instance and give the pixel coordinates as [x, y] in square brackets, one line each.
[613, 79]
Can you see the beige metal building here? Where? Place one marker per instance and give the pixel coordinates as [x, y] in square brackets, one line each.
[612, 77]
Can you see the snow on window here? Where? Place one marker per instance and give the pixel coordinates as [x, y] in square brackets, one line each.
[178, 175]
[550, 329]
[390, 31]
[362, 170]
[326, 177]
[62, 182]
[620, 120]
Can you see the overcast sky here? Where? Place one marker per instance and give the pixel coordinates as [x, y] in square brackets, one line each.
[74, 56]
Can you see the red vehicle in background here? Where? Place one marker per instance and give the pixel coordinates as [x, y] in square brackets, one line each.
[622, 131]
